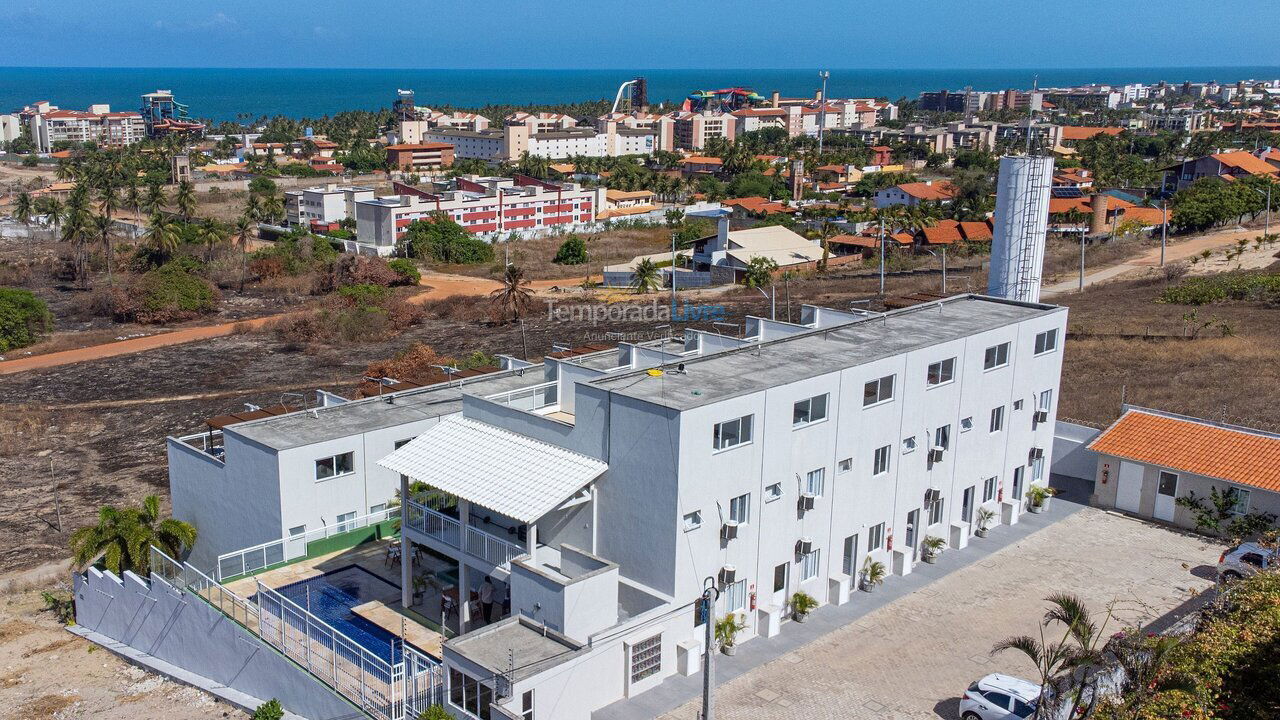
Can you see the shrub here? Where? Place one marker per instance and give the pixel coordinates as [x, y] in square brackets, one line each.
[23, 318]
[363, 270]
[269, 710]
[408, 272]
[262, 186]
[167, 294]
[435, 712]
[446, 241]
[367, 294]
[573, 251]
[1229, 286]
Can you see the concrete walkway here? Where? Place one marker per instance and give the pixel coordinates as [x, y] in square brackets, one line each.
[677, 689]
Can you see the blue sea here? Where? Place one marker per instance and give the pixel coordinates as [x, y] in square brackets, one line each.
[223, 93]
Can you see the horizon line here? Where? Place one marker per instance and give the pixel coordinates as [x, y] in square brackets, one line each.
[635, 68]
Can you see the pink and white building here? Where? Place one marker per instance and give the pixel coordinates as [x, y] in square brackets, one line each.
[49, 125]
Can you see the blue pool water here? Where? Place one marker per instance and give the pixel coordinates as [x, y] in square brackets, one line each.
[331, 596]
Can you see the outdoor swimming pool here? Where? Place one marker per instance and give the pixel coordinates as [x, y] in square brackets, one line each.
[331, 598]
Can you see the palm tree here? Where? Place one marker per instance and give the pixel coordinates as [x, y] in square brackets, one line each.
[212, 233]
[156, 199]
[103, 224]
[241, 231]
[272, 207]
[1050, 660]
[52, 208]
[23, 208]
[123, 538]
[185, 199]
[513, 299]
[1057, 662]
[162, 236]
[646, 277]
[252, 208]
[133, 196]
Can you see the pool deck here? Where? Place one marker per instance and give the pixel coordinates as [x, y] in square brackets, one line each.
[384, 611]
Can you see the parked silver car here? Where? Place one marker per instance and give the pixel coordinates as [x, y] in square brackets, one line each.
[997, 697]
[1244, 560]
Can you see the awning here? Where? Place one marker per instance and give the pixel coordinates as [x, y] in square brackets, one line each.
[503, 471]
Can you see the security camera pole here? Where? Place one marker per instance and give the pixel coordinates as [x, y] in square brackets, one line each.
[706, 608]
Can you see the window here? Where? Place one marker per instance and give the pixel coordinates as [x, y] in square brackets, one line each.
[296, 531]
[1017, 404]
[809, 565]
[740, 509]
[1168, 484]
[877, 391]
[1241, 506]
[735, 596]
[1037, 469]
[335, 465]
[814, 480]
[997, 419]
[845, 465]
[988, 489]
[875, 538]
[469, 694]
[526, 705]
[942, 437]
[1000, 700]
[996, 356]
[966, 424]
[731, 433]
[941, 373]
[809, 411]
[780, 577]
[646, 658]
[850, 554]
[401, 443]
[375, 509]
[908, 445]
[1045, 401]
[880, 463]
[1046, 341]
[693, 520]
[345, 521]
[773, 492]
[935, 511]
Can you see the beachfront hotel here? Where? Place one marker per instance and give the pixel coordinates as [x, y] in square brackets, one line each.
[559, 519]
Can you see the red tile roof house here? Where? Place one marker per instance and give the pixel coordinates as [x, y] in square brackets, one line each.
[1226, 165]
[1148, 459]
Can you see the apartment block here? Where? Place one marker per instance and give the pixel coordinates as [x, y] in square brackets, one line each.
[482, 205]
[49, 125]
[325, 204]
[420, 157]
[692, 130]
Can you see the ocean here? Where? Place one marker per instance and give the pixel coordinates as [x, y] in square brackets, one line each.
[223, 93]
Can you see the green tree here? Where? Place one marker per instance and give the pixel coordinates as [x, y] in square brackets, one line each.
[759, 271]
[435, 712]
[262, 186]
[162, 236]
[241, 231]
[23, 208]
[123, 538]
[156, 199]
[444, 240]
[185, 199]
[24, 318]
[573, 251]
[646, 277]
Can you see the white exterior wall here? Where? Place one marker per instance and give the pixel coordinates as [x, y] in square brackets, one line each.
[564, 147]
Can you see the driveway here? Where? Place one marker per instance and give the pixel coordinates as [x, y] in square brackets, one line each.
[910, 658]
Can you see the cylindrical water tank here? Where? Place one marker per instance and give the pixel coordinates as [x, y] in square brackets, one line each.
[1020, 223]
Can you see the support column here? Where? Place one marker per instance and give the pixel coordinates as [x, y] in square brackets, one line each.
[406, 547]
[464, 598]
[532, 543]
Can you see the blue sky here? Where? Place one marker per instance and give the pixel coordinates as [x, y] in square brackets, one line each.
[632, 33]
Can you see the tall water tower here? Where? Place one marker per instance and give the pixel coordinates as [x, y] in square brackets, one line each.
[1020, 224]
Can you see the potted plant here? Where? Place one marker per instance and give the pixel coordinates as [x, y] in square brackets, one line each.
[727, 629]
[419, 588]
[873, 572]
[933, 547]
[1039, 496]
[802, 603]
[985, 518]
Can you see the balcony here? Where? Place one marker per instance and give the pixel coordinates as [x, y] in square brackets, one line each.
[477, 543]
[209, 443]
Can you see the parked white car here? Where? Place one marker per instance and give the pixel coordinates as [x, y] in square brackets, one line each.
[1244, 560]
[997, 697]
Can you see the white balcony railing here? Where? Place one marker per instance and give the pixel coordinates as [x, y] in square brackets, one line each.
[534, 397]
[478, 543]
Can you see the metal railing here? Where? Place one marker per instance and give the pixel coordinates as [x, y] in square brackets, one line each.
[374, 684]
[423, 682]
[210, 444]
[534, 397]
[448, 530]
[185, 576]
[278, 552]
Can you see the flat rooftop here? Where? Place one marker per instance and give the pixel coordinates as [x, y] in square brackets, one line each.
[306, 427]
[752, 368]
[534, 647]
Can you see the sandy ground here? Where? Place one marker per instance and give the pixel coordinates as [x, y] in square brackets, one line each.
[48, 673]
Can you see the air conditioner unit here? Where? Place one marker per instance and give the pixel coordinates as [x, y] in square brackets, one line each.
[1041, 416]
[804, 546]
[806, 500]
[729, 530]
[1036, 453]
[728, 575]
[935, 453]
[931, 496]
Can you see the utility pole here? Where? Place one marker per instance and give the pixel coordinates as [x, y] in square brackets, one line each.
[708, 604]
[1164, 228]
[673, 278]
[944, 269]
[822, 113]
[57, 502]
[1082, 232]
[881, 257]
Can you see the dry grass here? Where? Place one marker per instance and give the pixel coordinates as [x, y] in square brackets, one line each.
[535, 255]
[1062, 255]
[47, 706]
[1210, 376]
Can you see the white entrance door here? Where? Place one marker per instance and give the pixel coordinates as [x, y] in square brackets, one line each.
[1129, 487]
[1166, 496]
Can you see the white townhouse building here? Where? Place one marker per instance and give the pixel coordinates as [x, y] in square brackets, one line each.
[324, 204]
[600, 489]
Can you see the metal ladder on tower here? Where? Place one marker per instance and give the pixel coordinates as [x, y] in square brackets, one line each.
[1028, 273]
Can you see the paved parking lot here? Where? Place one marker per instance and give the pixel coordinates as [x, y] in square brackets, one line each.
[910, 658]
